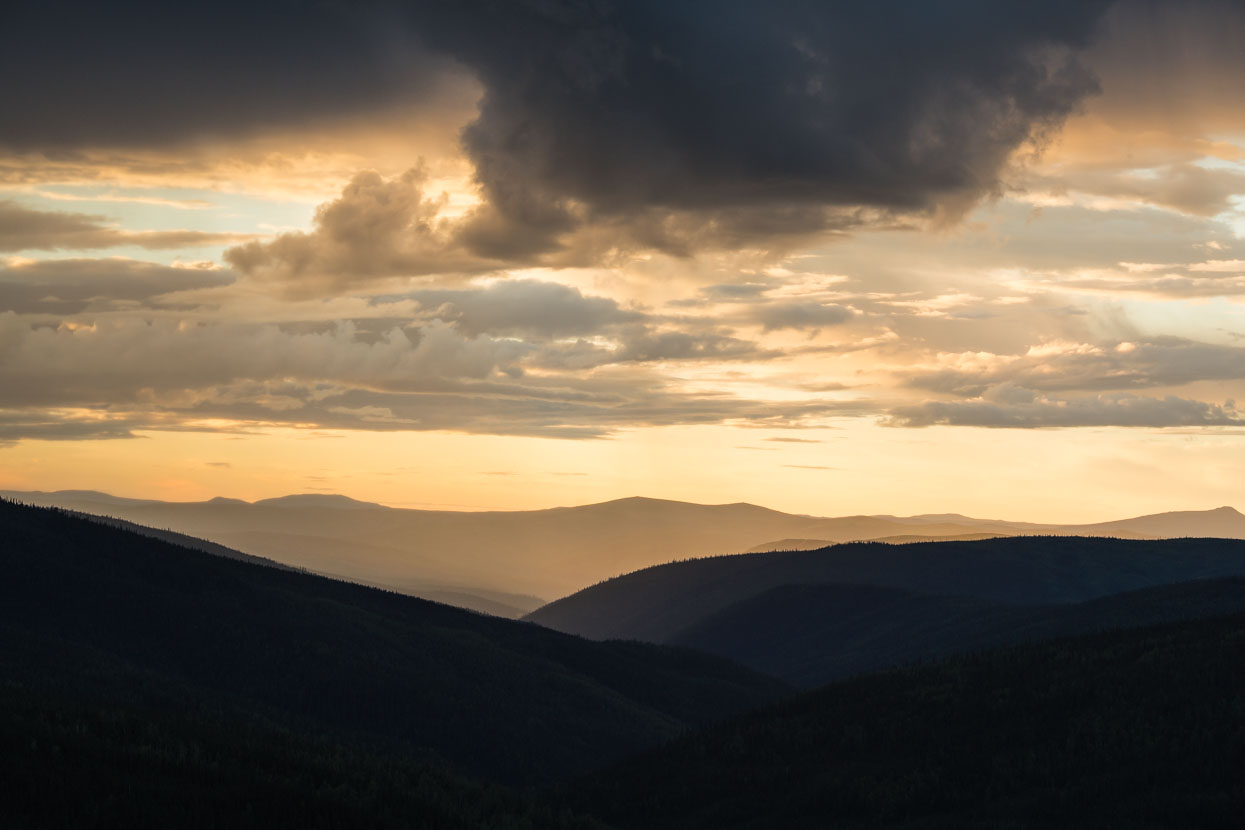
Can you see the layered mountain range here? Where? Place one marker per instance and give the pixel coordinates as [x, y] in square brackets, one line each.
[152, 679]
[509, 563]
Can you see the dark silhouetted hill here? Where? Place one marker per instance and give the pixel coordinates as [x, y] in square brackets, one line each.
[98, 616]
[70, 761]
[658, 603]
[1142, 728]
[810, 635]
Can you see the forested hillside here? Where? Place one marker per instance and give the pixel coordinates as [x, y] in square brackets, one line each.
[92, 614]
[1138, 728]
[656, 604]
[810, 635]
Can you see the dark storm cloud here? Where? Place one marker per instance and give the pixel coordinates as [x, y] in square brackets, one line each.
[701, 106]
[68, 286]
[92, 74]
[23, 229]
[694, 123]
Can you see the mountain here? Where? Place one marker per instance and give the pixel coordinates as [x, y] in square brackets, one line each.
[84, 498]
[370, 564]
[810, 635]
[901, 539]
[95, 616]
[540, 553]
[1223, 522]
[312, 500]
[789, 544]
[657, 603]
[150, 684]
[185, 541]
[1142, 728]
[909, 538]
[108, 763]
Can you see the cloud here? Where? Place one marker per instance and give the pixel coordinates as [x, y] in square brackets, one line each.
[802, 315]
[60, 425]
[529, 308]
[1163, 285]
[782, 106]
[137, 74]
[1165, 361]
[738, 291]
[571, 411]
[119, 360]
[384, 229]
[670, 126]
[1236, 266]
[69, 286]
[644, 345]
[24, 229]
[378, 229]
[120, 373]
[1181, 186]
[1010, 406]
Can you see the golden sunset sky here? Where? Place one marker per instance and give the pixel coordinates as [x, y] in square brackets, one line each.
[983, 258]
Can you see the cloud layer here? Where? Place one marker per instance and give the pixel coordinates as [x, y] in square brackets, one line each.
[660, 213]
[1013, 406]
[675, 126]
[24, 229]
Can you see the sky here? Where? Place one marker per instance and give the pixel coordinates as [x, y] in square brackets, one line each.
[895, 257]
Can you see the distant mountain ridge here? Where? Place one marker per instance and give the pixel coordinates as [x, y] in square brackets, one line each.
[656, 604]
[536, 555]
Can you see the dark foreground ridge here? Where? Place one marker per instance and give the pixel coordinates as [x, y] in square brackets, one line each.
[144, 684]
[811, 635]
[129, 659]
[658, 604]
[1141, 728]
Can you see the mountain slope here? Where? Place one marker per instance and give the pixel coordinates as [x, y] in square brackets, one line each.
[1222, 522]
[810, 635]
[92, 612]
[541, 553]
[182, 540]
[901, 539]
[358, 562]
[656, 603]
[1126, 729]
[74, 762]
